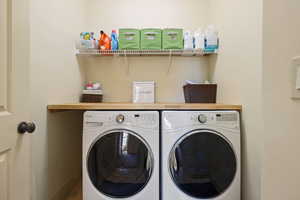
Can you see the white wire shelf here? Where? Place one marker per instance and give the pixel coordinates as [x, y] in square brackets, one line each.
[96, 52]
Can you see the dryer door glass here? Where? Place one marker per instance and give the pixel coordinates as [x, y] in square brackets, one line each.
[203, 164]
[120, 164]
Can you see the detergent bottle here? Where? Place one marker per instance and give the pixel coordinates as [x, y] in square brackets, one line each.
[114, 40]
[188, 40]
[104, 41]
[199, 39]
[212, 39]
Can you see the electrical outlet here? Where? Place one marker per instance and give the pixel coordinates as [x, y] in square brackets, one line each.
[295, 74]
[298, 77]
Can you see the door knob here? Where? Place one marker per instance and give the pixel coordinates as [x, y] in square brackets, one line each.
[26, 127]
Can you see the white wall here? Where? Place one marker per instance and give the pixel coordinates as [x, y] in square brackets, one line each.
[55, 78]
[112, 73]
[238, 71]
[281, 148]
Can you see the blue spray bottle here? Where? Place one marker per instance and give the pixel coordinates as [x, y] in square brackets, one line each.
[114, 40]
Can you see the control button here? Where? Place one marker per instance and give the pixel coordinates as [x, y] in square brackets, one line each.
[120, 119]
[202, 119]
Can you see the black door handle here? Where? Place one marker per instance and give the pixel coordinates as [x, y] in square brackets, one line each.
[26, 127]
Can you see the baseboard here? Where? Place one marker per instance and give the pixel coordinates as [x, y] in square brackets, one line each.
[63, 193]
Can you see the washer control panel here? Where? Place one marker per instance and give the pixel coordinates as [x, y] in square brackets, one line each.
[142, 119]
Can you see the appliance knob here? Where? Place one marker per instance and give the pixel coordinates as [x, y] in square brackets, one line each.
[202, 119]
[120, 118]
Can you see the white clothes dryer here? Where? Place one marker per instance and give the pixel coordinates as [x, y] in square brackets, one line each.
[201, 156]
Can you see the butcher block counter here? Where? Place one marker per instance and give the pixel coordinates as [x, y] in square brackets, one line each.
[136, 106]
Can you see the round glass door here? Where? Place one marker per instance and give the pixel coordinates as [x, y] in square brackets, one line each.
[120, 164]
[202, 164]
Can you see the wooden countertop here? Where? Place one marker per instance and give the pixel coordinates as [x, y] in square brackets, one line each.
[133, 106]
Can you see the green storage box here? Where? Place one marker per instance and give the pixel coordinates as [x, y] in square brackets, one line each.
[129, 39]
[151, 39]
[173, 39]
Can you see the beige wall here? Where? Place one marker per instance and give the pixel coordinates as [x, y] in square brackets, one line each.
[108, 15]
[238, 71]
[281, 148]
[117, 81]
[112, 72]
[56, 78]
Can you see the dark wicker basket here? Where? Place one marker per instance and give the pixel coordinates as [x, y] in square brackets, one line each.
[200, 93]
[91, 98]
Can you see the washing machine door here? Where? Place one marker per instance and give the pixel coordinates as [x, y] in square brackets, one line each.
[203, 164]
[120, 164]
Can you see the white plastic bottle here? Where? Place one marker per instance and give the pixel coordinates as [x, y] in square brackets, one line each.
[211, 38]
[199, 39]
[188, 40]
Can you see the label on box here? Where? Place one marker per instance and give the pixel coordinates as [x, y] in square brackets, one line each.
[95, 92]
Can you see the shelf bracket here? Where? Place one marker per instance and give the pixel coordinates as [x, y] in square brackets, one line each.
[127, 64]
[170, 62]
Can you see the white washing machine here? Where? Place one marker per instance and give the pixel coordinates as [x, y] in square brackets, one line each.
[201, 156]
[121, 155]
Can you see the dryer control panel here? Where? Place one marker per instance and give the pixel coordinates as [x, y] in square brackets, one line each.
[180, 119]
